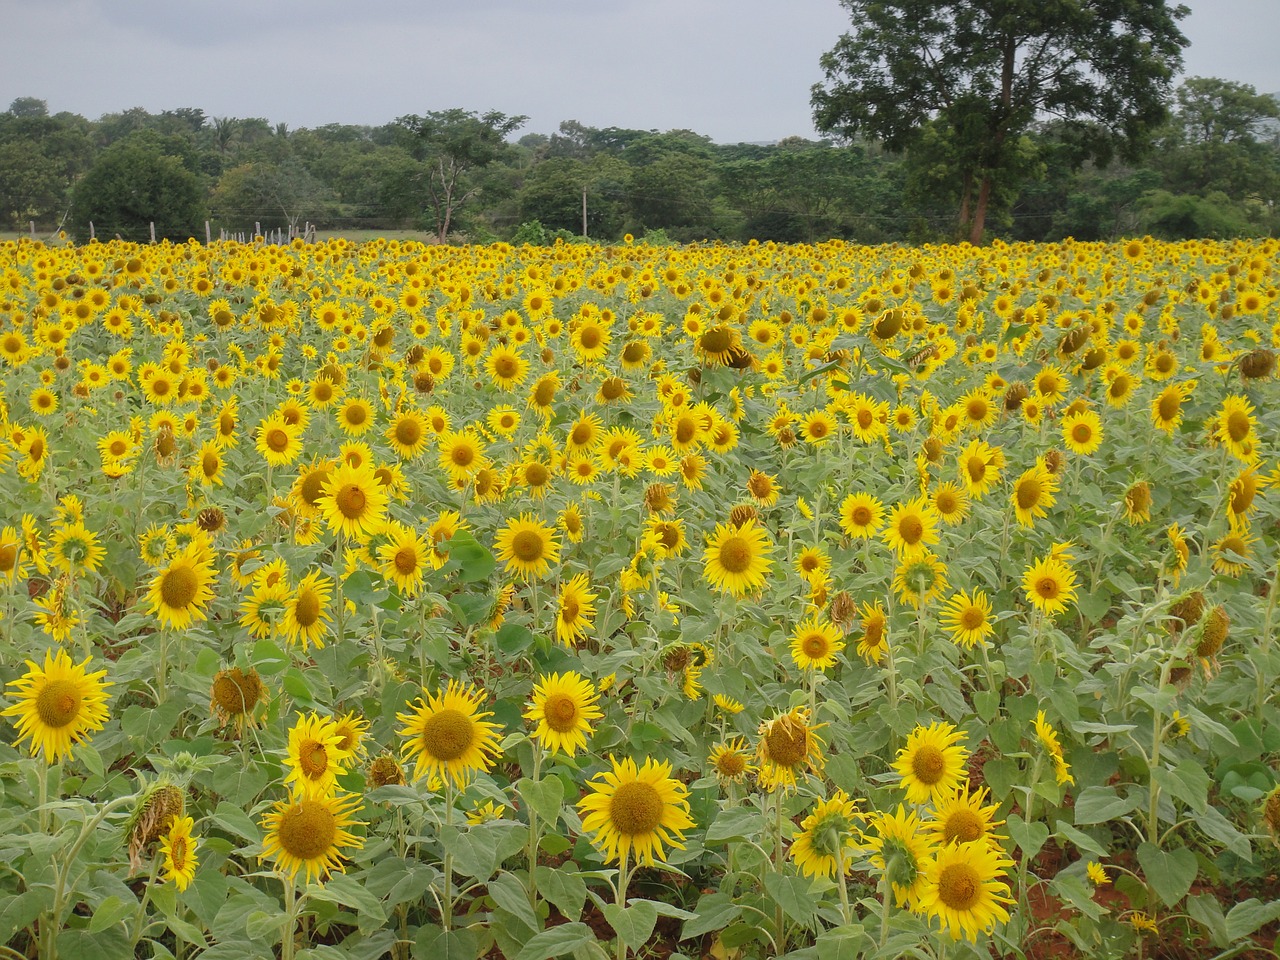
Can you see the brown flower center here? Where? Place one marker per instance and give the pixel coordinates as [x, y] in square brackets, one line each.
[959, 886]
[307, 830]
[735, 554]
[928, 764]
[447, 734]
[560, 712]
[58, 703]
[527, 546]
[178, 587]
[636, 808]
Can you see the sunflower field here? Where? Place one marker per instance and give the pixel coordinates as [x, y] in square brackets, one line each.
[389, 600]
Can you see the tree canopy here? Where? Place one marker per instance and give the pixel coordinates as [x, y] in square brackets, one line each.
[977, 74]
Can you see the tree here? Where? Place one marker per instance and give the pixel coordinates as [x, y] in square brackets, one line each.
[977, 74]
[133, 184]
[450, 145]
[269, 194]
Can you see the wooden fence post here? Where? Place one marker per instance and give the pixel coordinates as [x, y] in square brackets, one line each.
[91, 234]
[153, 231]
[33, 229]
[208, 234]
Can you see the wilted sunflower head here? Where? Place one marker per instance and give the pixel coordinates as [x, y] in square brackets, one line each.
[743, 514]
[1214, 634]
[235, 693]
[385, 771]
[1187, 611]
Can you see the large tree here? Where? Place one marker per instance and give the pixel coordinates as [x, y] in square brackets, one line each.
[451, 146]
[976, 74]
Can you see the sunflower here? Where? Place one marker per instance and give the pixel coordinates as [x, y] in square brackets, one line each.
[279, 441]
[1049, 585]
[309, 834]
[1082, 432]
[762, 488]
[730, 760]
[818, 427]
[912, 528]
[950, 502]
[180, 592]
[1048, 738]
[961, 818]
[405, 557]
[527, 546]
[861, 515]
[828, 841]
[636, 809]
[979, 467]
[737, 558]
[965, 890]
[575, 610]
[462, 455]
[306, 616]
[315, 756]
[932, 763]
[902, 849]
[11, 565]
[179, 850]
[813, 563]
[563, 706]
[57, 705]
[448, 736]
[875, 633]
[1234, 426]
[407, 434]
[355, 416]
[1166, 408]
[352, 501]
[968, 618]
[815, 644]
[920, 579]
[1033, 493]
[1232, 553]
[507, 367]
[788, 746]
[73, 548]
[590, 340]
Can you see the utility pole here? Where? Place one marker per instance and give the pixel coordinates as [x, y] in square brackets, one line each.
[584, 209]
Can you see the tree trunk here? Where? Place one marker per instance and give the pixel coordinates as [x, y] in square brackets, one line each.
[980, 212]
[964, 201]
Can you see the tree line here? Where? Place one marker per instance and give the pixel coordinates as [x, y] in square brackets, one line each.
[1213, 171]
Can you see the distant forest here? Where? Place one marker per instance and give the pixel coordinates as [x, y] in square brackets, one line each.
[462, 176]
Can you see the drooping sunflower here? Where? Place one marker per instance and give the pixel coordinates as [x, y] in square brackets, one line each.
[179, 850]
[448, 736]
[861, 515]
[1048, 738]
[563, 707]
[352, 501]
[965, 890]
[527, 546]
[788, 746]
[58, 705]
[636, 811]
[968, 618]
[1049, 585]
[932, 763]
[181, 591]
[737, 558]
[815, 643]
[1232, 552]
[309, 834]
[306, 615]
[315, 756]
[829, 839]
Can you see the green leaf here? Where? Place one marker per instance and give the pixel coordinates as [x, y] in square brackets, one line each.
[475, 852]
[109, 944]
[986, 703]
[556, 942]
[634, 923]
[513, 639]
[432, 943]
[739, 824]
[1205, 910]
[1187, 781]
[346, 892]
[510, 894]
[474, 561]
[234, 820]
[715, 912]
[1249, 915]
[268, 658]
[1100, 804]
[1217, 827]
[264, 925]
[564, 888]
[1083, 842]
[844, 943]
[1029, 837]
[792, 894]
[1170, 873]
[110, 912]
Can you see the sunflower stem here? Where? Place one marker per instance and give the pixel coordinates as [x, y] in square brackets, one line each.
[779, 918]
[533, 833]
[446, 920]
[1263, 659]
[886, 903]
[621, 899]
[140, 924]
[163, 669]
[288, 944]
[42, 778]
[843, 883]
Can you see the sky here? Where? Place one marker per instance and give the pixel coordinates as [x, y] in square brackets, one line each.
[733, 70]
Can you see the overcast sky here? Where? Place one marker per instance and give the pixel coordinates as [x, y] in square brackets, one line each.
[734, 70]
